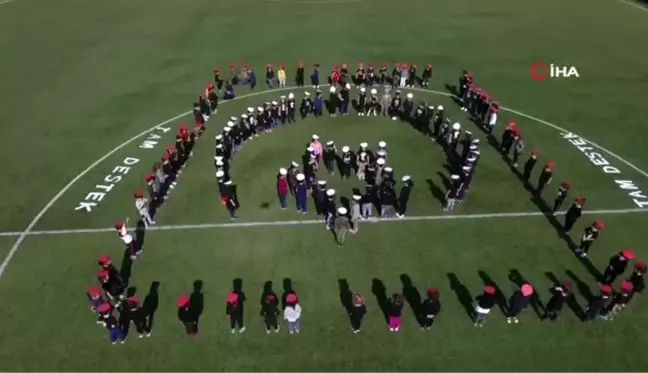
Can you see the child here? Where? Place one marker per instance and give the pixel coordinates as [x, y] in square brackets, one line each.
[292, 313]
[270, 311]
[430, 308]
[485, 302]
[187, 316]
[518, 302]
[234, 309]
[356, 313]
[599, 303]
[560, 294]
[137, 315]
[110, 322]
[619, 301]
[95, 298]
[282, 188]
[395, 312]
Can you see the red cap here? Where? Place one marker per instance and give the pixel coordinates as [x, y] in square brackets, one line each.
[335, 67]
[511, 124]
[489, 289]
[605, 289]
[270, 297]
[628, 254]
[149, 177]
[598, 224]
[210, 85]
[291, 298]
[549, 164]
[183, 300]
[468, 73]
[232, 297]
[641, 266]
[429, 65]
[103, 307]
[119, 224]
[102, 273]
[565, 285]
[183, 126]
[165, 157]
[133, 300]
[536, 152]
[170, 148]
[626, 286]
[94, 291]
[138, 194]
[565, 184]
[232, 65]
[104, 259]
[526, 290]
[404, 65]
[245, 66]
[433, 290]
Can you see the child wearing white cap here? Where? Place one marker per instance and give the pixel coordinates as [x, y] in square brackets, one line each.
[453, 192]
[330, 209]
[346, 158]
[301, 193]
[282, 187]
[341, 226]
[355, 212]
[404, 195]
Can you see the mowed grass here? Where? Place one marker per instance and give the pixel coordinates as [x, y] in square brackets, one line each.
[427, 252]
[115, 69]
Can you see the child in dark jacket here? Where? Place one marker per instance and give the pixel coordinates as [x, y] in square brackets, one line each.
[518, 302]
[270, 311]
[187, 315]
[395, 312]
[234, 309]
[560, 295]
[430, 308]
[485, 302]
[356, 313]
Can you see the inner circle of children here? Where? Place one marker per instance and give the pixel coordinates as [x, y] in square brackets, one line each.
[116, 305]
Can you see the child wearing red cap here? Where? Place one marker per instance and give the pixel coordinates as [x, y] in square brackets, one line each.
[357, 313]
[292, 313]
[507, 137]
[617, 265]
[561, 195]
[574, 213]
[430, 308]
[518, 302]
[187, 315]
[619, 301]
[95, 297]
[142, 206]
[560, 294]
[545, 178]
[637, 277]
[395, 312]
[110, 323]
[132, 311]
[426, 76]
[270, 311]
[112, 287]
[105, 263]
[590, 235]
[485, 302]
[530, 164]
[597, 304]
[234, 309]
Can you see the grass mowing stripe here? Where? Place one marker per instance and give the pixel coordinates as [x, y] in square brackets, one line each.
[282, 223]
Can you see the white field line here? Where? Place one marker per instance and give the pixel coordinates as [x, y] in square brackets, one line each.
[284, 223]
[633, 4]
[5, 2]
[41, 213]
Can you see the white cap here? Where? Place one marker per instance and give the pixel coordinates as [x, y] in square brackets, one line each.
[407, 178]
[294, 164]
[260, 109]
[363, 154]
[381, 153]
[456, 126]
[398, 91]
[233, 119]
[315, 137]
[382, 144]
[363, 144]
[321, 182]
[283, 171]
[300, 177]
[229, 123]
[468, 133]
[347, 86]
[218, 158]
[342, 211]
[219, 146]
[410, 95]
[244, 116]
[431, 107]
[228, 182]
[291, 95]
[332, 89]
[330, 192]
[282, 97]
[374, 91]
[466, 168]
[363, 89]
[250, 110]
[218, 137]
[388, 169]
[476, 152]
[439, 107]
[274, 103]
[472, 159]
[306, 93]
[219, 163]
[266, 103]
[454, 177]
[227, 129]
[345, 149]
[475, 141]
[381, 161]
[329, 143]
[220, 174]
[310, 149]
[357, 197]
[472, 147]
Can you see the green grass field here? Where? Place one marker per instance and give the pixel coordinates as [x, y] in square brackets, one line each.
[81, 79]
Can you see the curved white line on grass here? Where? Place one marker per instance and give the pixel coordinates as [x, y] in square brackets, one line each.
[5, 2]
[314, 1]
[633, 4]
[32, 224]
[283, 223]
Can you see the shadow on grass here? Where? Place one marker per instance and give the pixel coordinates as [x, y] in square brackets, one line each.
[151, 303]
[500, 298]
[380, 292]
[463, 295]
[412, 296]
[437, 193]
[582, 286]
[571, 301]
